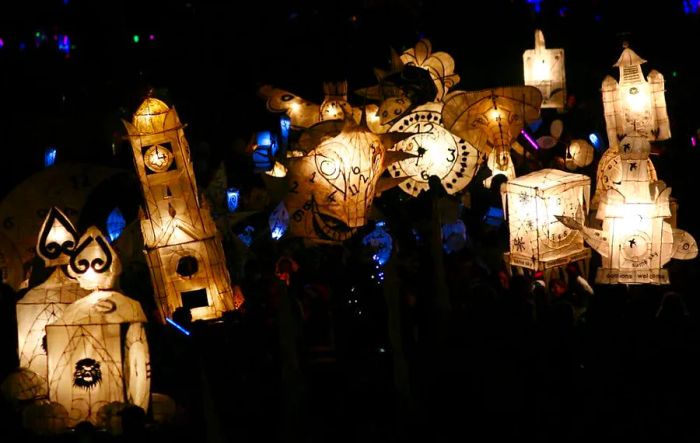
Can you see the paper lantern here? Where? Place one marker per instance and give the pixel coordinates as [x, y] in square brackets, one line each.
[233, 197]
[97, 350]
[23, 385]
[277, 171]
[544, 69]
[303, 113]
[579, 154]
[183, 247]
[45, 418]
[635, 105]
[279, 221]
[454, 236]
[264, 151]
[538, 240]
[440, 65]
[380, 242]
[115, 224]
[46, 302]
[492, 119]
[609, 173]
[333, 185]
[436, 152]
[635, 241]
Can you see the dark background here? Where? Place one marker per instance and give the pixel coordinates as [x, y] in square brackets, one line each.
[209, 58]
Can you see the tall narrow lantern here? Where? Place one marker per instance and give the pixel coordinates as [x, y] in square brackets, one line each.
[183, 247]
[544, 69]
[45, 303]
[538, 240]
[635, 106]
[97, 350]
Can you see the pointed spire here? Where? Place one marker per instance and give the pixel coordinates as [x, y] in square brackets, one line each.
[539, 40]
[628, 57]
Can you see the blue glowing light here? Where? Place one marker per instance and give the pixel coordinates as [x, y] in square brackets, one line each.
[454, 236]
[285, 126]
[595, 140]
[64, 43]
[232, 198]
[494, 216]
[536, 5]
[279, 221]
[247, 235]
[265, 151]
[49, 156]
[115, 224]
[381, 243]
[179, 328]
[2, 43]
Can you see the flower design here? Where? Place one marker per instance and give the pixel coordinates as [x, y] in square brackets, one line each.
[440, 64]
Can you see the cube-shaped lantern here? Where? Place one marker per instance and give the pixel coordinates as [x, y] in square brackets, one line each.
[538, 241]
[544, 69]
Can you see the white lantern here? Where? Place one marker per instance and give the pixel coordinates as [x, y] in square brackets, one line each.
[538, 240]
[333, 186]
[97, 350]
[46, 302]
[492, 119]
[635, 241]
[544, 69]
[635, 105]
[183, 247]
[439, 64]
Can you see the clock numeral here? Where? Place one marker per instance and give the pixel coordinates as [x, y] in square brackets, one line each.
[313, 176]
[452, 156]
[295, 185]
[331, 196]
[424, 175]
[354, 190]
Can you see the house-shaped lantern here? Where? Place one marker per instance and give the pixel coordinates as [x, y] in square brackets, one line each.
[46, 302]
[183, 247]
[544, 69]
[538, 240]
[635, 105]
[636, 241]
[97, 350]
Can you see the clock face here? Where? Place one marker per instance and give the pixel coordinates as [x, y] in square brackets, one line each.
[437, 152]
[158, 158]
[554, 234]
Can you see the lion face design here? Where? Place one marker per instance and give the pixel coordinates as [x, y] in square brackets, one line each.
[87, 374]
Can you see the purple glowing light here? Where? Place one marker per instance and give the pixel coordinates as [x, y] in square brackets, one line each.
[530, 140]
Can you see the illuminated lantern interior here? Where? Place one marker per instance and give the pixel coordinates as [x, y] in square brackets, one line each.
[635, 105]
[176, 222]
[544, 69]
[538, 240]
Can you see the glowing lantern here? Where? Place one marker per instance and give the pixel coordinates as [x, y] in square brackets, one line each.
[264, 151]
[538, 240]
[454, 236]
[46, 302]
[45, 418]
[492, 119]
[579, 154]
[23, 385]
[279, 221]
[278, 171]
[544, 69]
[97, 350]
[49, 156]
[333, 185]
[440, 65]
[380, 242]
[183, 247]
[435, 150]
[635, 106]
[635, 242]
[233, 196]
[115, 224]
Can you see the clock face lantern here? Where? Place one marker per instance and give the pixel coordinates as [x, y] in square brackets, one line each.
[436, 152]
[97, 350]
[332, 187]
[538, 240]
[544, 69]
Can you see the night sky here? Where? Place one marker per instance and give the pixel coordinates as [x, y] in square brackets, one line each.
[209, 58]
